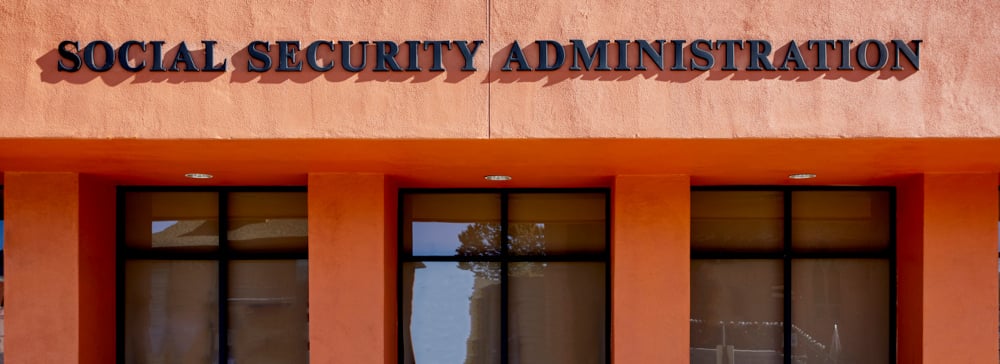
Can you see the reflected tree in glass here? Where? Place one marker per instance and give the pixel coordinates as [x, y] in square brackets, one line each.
[523, 240]
[480, 240]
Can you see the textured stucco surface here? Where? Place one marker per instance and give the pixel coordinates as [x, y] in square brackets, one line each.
[38, 101]
[947, 238]
[954, 94]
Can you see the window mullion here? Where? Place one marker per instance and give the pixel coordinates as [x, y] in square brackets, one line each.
[787, 268]
[120, 260]
[223, 264]
[892, 276]
[504, 280]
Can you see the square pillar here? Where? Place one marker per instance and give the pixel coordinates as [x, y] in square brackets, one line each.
[947, 269]
[651, 269]
[60, 268]
[352, 269]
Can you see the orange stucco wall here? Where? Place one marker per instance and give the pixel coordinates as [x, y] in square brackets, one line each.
[909, 269]
[352, 269]
[69, 138]
[60, 295]
[947, 269]
[650, 269]
[60, 268]
[952, 95]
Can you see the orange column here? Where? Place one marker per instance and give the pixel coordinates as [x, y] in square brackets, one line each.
[650, 269]
[352, 269]
[60, 269]
[947, 269]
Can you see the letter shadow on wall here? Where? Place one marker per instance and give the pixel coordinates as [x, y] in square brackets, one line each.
[237, 68]
[117, 75]
[811, 58]
[563, 73]
[716, 73]
[361, 56]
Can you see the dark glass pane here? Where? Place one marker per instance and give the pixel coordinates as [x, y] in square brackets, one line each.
[268, 311]
[737, 221]
[840, 310]
[268, 221]
[451, 313]
[451, 224]
[736, 311]
[840, 220]
[171, 312]
[556, 223]
[557, 313]
[172, 221]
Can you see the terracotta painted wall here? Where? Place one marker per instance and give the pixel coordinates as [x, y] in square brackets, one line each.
[59, 269]
[352, 269]
[64, 223]
[953, 95]
[650, 269]
[947, 244]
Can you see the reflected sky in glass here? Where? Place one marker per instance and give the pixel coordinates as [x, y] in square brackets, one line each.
[437, 238]
[159, 226]
[441, 324]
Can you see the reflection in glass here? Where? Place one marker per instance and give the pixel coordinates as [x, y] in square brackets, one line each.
[268, 221]
[557, 312]
[556, 223]
[736, 311]
[840, 310]
[747, 221]
[176, 221]
[268, 320]
[451, 313]
[171, 312]
[840, 220]
[451, 224]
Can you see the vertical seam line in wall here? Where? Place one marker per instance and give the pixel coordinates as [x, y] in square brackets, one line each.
[489, 71]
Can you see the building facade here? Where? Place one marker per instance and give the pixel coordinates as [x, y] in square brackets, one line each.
[500, 182]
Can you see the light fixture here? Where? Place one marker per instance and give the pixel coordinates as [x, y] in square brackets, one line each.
[198, 176]
[801, 176]
[497, 177]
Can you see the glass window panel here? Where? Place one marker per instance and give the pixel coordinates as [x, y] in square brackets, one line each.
[736, 311]
[557, 312]
[556, 223]
[451, 224]
[840, 220]
[268, 221]
[840, 310]
[451, 312]
[746, 221]
[171, 311]
[174, 221]
[268, 315]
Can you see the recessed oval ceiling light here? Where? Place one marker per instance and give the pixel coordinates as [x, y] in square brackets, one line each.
[496, 177]
[801, 176]
[198, 176]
